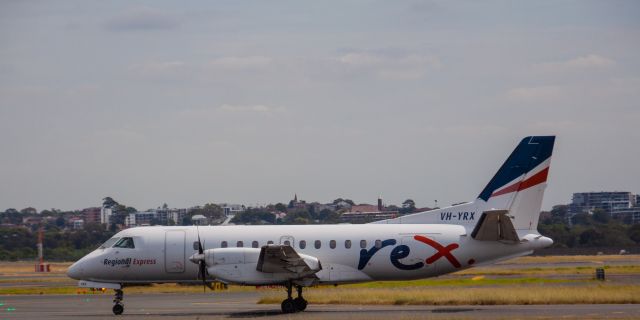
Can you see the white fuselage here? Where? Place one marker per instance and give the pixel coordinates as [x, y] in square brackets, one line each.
[376, 252]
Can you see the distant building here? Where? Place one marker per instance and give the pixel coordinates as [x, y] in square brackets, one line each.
[199, 219]
[610, 202]
[130, 220]
[632, 213]
[364, 213]
[31, 220]
[318, 207]
[297, 204]
[364, 217]
[363, 208]
[77, 223]
[165, 216]
[105, 215]
[91, 215]
[232, 209]
[145, 218]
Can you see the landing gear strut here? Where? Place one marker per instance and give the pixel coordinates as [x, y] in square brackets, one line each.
[118, 307]
[300, 302]
[290, 305]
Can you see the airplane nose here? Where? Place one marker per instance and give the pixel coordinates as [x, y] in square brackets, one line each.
[75, 271]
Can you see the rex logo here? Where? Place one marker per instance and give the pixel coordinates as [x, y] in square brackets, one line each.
[402, 251]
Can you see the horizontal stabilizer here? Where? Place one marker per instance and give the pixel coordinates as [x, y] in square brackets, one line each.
[495, 225]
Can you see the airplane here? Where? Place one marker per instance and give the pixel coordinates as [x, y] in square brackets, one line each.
[501, 223]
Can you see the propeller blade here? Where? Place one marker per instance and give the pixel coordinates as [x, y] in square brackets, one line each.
[203, 270]
[200, 248]
[202, 266]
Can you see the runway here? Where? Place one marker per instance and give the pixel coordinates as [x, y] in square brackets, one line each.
[243, 305]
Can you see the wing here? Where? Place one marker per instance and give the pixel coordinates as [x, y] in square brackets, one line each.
[277, 258]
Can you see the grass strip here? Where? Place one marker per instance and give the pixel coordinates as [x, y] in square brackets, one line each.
[594, 294]
[475, 281]
[154, 288]
[572, 259]
[541, 271]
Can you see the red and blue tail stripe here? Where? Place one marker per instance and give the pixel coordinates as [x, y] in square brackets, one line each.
[528, 155]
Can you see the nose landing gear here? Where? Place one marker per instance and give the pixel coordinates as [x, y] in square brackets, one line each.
[118, 307]
[290, 305]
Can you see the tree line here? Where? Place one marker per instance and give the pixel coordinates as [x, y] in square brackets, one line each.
[581, 230]
[18, 243]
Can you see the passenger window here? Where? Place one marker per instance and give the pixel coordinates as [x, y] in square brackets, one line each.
[317, 244]
[223, 244]
[125, 242]
[303, 244]
[239, 244]
[269, 242]
[378, 244]
[332, 244]
[347, 244]
[363, 244]
[254, 244]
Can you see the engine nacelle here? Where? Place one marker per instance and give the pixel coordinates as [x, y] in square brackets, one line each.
[225, 256]
[238, 265]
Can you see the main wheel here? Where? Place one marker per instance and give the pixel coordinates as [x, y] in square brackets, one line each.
[118, 309]
[300, 303]
[288, 306]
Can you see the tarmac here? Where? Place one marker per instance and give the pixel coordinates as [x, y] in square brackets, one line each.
[243, 305]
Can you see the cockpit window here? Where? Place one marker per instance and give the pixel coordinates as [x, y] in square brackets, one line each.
[125, 242]
[109, 243]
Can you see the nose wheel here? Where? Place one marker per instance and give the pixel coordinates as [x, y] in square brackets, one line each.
[290, 305]
[118, 307]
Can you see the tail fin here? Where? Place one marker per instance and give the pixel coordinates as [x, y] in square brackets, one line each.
[519, 184]
[516, 190]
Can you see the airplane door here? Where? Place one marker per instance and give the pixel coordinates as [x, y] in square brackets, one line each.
[174, 251]
[288, 240]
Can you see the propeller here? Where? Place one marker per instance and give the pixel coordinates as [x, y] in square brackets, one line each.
[202, 266]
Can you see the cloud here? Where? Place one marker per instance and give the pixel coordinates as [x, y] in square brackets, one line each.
[390, 67]
[258, 108]
[25, 91]
[158, 67]
[143, 18]
[590, 61]
[360, 59]
[534, 93]
[248, 62]
[614, 93]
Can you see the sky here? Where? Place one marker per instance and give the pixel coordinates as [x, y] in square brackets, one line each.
[251, 102]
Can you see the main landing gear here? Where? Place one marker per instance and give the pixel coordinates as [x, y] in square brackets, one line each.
[118, 307]
[290, 305]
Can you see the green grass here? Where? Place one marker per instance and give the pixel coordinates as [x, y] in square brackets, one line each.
[476, 281]
[545, 271]
[154, 288]
[40, 290]
[592, 294]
